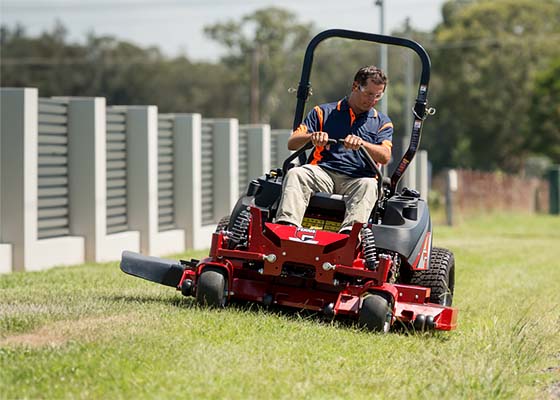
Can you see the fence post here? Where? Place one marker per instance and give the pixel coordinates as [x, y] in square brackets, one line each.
[422, 174]
[141, 132]
[5, 249]
[279, 142]
[87, 177]
[554, 189]
[451, 186]
[259, 150]
[19, 172]
[188, 182]
[226, 175]
[19, 135]
[409, 177]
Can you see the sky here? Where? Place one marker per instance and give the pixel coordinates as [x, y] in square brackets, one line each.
[176, 26]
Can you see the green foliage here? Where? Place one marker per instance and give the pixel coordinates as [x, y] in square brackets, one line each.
[93, 332]
[545, 113]
[485, 58]
[120, 71]
[494, 76]
[265, 49]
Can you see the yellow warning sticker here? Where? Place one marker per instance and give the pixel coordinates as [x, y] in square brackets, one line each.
[332, 226]
[312, 223]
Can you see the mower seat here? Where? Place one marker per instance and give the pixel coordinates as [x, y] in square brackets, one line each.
[328, 202]
[325, 211]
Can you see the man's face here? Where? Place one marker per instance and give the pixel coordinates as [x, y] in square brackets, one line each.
[366, 97]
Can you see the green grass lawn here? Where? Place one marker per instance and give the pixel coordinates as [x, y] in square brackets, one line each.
[93, 332]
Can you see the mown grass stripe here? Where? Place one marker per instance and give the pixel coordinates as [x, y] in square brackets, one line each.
[93, 332]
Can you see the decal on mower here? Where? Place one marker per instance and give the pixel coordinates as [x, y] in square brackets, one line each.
[423, 259]
[304, 235]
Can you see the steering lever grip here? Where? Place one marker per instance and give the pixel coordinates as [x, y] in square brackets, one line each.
[335, 141]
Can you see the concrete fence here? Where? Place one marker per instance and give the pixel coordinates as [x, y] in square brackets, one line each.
[82, 181]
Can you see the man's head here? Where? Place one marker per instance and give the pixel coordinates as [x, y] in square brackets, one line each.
[368, 88]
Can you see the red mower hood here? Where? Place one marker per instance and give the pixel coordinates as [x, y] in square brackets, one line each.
[276, 232]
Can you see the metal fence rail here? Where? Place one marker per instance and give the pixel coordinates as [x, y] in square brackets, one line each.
[166, 206]
[274, 162]
[53, 215]
[243, 154]
[117, 220]
[207, 172]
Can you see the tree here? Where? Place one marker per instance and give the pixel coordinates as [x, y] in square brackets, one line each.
[270, 43]
[486, 57]
[118, 70]
[545, 113]
[31, 62]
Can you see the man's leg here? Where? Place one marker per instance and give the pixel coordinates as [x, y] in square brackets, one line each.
[299, 184]
[360, 197]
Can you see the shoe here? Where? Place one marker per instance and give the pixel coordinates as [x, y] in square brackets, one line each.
[285, 223]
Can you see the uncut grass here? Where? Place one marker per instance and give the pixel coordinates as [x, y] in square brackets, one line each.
[91, 331]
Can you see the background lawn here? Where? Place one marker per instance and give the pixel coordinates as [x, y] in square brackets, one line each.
[93, 332]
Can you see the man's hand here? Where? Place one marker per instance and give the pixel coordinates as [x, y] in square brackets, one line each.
[319, 138]
[353, 142]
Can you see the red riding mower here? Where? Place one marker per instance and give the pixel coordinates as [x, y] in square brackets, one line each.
[383, 272]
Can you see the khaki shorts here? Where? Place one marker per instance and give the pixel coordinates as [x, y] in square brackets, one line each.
[300, 183]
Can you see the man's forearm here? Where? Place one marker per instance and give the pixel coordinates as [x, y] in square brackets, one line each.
[380, 153]
[297, 140]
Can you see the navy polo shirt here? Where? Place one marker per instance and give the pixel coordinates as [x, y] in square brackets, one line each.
[339, 121]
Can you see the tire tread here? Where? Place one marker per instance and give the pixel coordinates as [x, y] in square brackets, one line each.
[223, 224]
[436, 277]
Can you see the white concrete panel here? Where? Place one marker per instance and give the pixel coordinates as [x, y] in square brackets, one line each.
[226, 163]
[18, 116]
[142, 174]
[188, 181]
[53, 252]
[5, 258]
[113, 245]
[203, 237]
[169, 242]
[259, 150]
[87, 172]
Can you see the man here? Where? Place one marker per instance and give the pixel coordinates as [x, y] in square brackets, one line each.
[340, 168]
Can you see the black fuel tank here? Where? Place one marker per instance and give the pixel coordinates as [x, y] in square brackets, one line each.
[404, 226]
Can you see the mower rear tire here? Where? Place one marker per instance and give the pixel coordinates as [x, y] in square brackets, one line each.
[375, 313]
[439, 277]
[211, 288]
[222, 224]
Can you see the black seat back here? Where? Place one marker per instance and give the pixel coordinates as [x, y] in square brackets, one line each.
[328, 203]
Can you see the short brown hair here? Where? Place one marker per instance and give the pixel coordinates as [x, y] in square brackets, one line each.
[370, 72]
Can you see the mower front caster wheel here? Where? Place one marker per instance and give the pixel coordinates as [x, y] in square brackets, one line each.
[424, 323]
[211, 288]
[375, 314]
[187, 287]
